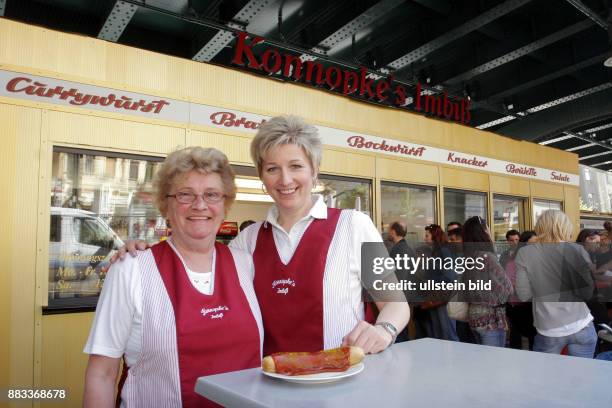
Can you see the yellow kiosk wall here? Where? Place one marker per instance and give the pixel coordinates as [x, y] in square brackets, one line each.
[46, 351]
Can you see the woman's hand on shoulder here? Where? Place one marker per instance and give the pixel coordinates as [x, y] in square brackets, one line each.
[372, 339]
[132, 247]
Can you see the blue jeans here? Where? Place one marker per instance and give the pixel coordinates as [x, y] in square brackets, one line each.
[581, 344]
[486, 337]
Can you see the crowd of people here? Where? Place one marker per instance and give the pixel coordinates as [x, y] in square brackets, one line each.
[527, 306]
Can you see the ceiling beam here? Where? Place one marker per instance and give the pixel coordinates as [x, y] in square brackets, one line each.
[439, 6]
[456, 33]
[564, 113]
[595, 155]
[546, 78]
[223, 37]
[547, 105]
[556, 139]
[366, 18]
[584, 146]
[589, 13]
[520, 52]
[117, 20]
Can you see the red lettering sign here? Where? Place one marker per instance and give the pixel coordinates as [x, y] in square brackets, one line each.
[559, 177]
[454, 158]
[361, 142]
[74, 97]
[229, 119]
[524, 170]
[345, 81]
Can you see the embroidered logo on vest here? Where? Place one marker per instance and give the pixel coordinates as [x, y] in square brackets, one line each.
[282, 285]
[217, 312]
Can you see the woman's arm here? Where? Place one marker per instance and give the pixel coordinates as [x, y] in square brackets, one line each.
[523, 286]
[100, 380]
[372, 338]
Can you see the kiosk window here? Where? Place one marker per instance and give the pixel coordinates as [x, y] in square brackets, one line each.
[344, 192]
[97, 201]
[461, 205]
[539, 206]
[508, 213]
[413, 205]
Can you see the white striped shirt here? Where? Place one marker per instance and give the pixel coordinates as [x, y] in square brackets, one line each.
[117, 325]
[342, 302]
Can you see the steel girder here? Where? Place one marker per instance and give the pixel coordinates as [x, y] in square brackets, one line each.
[223, 38]
[117, 20]
[520, 52]
[464, 29]
[554, 120]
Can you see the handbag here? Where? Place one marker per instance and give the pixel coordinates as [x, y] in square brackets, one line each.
[458, 310]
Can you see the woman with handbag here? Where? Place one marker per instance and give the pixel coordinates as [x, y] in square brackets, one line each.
[486, 313]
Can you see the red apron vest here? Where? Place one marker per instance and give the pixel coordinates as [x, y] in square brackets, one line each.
[291, 296]
[216, 333]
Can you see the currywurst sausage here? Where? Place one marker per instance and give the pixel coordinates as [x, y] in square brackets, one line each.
[301, 363]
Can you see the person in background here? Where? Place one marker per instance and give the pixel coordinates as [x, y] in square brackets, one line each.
[512, 239]
[520, 316]
[452, 225]
[397, 233]
[182, 309]
[454, 236]
[431, 316]
[486, 314]
[590, 240]
[556, 275]
[455, 239]
[245, 224]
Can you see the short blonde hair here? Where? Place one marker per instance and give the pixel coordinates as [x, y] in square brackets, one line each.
[289, 129]
[202, 160]
[554, 226]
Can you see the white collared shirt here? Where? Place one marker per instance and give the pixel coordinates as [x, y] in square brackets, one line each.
[342, 302]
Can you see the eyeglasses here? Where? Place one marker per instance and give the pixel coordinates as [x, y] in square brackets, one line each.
[210, 197]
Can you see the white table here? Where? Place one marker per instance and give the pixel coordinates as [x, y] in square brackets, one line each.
[432, 373]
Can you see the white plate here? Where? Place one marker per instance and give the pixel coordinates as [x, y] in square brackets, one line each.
[318, 378]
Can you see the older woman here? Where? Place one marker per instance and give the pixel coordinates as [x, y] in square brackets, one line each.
[307, 256]
[557, 275]
[182, 309]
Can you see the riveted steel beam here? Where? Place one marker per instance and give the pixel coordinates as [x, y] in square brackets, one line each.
[520, 52]
[452, 35]
[117, 20]
[564, 113]
[366, 18]
[590, 156]
[589, 13]
[547, 78]
[223, 37]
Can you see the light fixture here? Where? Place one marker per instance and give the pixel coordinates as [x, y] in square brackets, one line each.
[608, 62]
[258, 198]
[254, 184]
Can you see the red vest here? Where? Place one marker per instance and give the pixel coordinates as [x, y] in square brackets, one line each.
[216, 333]
[291, 296]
